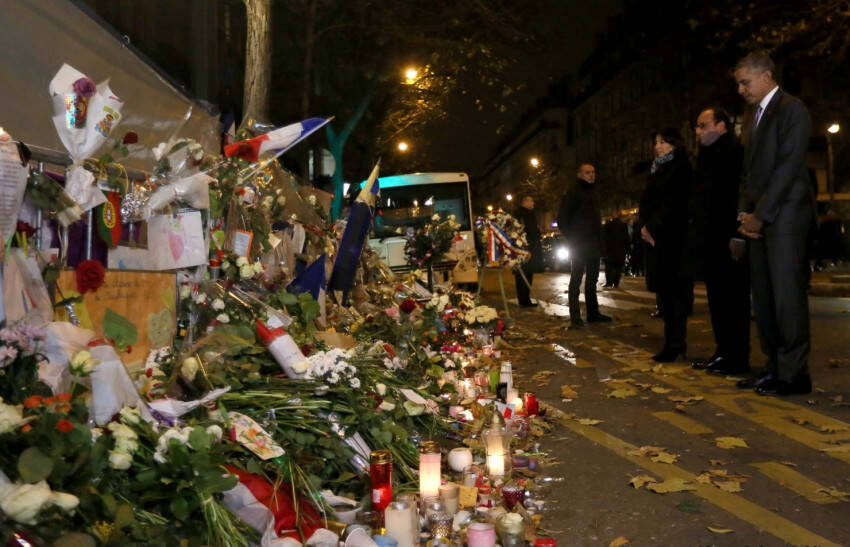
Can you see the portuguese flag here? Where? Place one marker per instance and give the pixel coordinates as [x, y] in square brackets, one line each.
[108, 217]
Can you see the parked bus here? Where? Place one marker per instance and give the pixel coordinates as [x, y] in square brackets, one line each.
[409, 201]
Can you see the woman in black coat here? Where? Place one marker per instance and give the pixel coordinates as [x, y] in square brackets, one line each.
[663, 224]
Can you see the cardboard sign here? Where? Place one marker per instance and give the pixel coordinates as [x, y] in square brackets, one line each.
[135, 295]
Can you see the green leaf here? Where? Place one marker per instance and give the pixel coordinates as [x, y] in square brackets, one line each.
[254, 467]
[119, 329]
[180, 508]
[75, 539]
[33, 465]
[345, 477]
[200, 439]
[124, 516]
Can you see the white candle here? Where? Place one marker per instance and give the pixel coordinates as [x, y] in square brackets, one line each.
[450, 494]
[496, 465]
[398, 524]
[517, 402]
[429, 470]
[460, 459]
[512, 394]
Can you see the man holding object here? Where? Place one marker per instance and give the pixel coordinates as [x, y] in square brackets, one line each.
[778, 210]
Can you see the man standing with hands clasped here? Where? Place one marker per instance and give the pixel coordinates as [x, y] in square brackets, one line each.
[777, 212]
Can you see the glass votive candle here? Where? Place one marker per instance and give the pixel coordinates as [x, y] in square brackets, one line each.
[440, 524]
[399, 525]
[410, 500]
[511, 530]
[432, 504]
[450, 496]
[481, 534]
[512, 494]
[473, 475]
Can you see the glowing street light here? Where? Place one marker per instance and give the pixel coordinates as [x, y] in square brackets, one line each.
[834, 128]
[509, 197]
[534, 162]
[410, 75]
[830, 174]
[490, 208]
[403, 146]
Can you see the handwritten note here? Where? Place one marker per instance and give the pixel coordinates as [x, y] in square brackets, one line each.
[13, 183]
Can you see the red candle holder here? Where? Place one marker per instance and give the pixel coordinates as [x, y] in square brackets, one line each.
[381, 476]
[530, 403]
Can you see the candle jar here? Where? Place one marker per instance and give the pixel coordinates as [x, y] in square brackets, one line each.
[429, 469]
[450, 496]
[532, 406]
[410, 500]
[506, 375]
[440, 525]
[399, 525]
[481, 534]
[381, 476]
[511, 529]
[512, 494]
[473, 475]
[497, 443]
[460, 459]
[432, 504]
[484, 496]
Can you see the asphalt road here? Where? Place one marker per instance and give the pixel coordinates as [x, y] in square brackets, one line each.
[789, 484]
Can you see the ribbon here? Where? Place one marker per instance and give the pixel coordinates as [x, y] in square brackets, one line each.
[498, 242]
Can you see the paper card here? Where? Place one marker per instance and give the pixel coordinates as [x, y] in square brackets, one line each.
[177, 241]
[252, 436]
[413, 397]
[242, 243]
[13, 183]
[336, 339]
[468, 496]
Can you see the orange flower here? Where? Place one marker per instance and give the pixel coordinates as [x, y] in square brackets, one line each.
[48, 400]
[63, 397]
[32, 401]
[63, 408]
[64, 425]
[26, 428]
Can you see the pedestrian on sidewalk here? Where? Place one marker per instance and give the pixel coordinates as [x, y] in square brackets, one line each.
[778, 212]
[525, 214]
[617, 243]
[664, 223]
[580, 221]
[712, 225]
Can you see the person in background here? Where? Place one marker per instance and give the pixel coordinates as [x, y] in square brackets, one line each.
[712, 224]
[617, 243]
[664, 222]
[525, 214]
[581, 223]
[777, 214]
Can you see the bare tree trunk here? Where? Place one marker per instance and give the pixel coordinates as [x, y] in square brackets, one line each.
[258, 57]
[309, 42]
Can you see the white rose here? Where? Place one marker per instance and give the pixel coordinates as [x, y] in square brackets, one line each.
[64, 501]
[189, 368]
[354, 383]
[387, 406]
[333, 378]
[125, 445]
[215, 431]
[381, 389]
[225, 265]
[200, 298]
[96, 432]
[312, 199]
[119, 460]
[218, 304]
[83, 364]
[301, 367]
[22, 502]
[130, 415]
[258, 267]
[223, 318]
[185, 291]
[246, 271]
[10, 416]
[436, 217]
[241, 261]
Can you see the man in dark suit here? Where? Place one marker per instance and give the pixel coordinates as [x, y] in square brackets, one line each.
[778, 210]
[617, 243]
[525, 214]
[580, 221]
[711, 225]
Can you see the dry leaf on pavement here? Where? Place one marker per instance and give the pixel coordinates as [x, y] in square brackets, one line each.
[622, 393]
[838, 448]
[568, 393]
[686, 400]
[664, 457]
[728, 443]
[588, 421]
[645, 450]
[829, 428]
[704, 478]
[836, 493]
[640, 480]
[720, 530]
[729, 486]
[671, 485]
[619, 542]
[718, 462]
[659, 389]
[789, 464]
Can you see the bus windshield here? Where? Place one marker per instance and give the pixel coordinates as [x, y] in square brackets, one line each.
[413, 206]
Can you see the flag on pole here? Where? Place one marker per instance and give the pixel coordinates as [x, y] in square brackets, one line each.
[354, 236]
[280, 139]
[311, 280]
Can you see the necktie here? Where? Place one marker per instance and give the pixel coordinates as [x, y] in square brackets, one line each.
[756, 119]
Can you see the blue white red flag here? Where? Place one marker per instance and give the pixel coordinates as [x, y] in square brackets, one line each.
[279, 140]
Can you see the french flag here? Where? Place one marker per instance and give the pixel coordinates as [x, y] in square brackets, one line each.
[280, 139]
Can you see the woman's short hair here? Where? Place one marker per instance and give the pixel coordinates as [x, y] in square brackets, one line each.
[671, 136]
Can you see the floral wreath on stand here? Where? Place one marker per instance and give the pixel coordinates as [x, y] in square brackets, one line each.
[429, 245]
[502, 240]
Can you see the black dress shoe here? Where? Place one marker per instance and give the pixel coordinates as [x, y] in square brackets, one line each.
[598, 318]
[576, 323]
[725, 367]
[528, 305]
[751, 383]
[668, 355]
[800, 386]
[705, 363]
[656, 314]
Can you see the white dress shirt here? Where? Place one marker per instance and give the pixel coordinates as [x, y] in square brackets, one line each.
[766, 101]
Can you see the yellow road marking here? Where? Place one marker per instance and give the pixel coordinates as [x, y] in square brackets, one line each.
[584, 363]
[684, 423]
[771, 412]
[739, 507]
[795, 481]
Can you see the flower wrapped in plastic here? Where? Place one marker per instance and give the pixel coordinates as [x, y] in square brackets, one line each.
[430, 244]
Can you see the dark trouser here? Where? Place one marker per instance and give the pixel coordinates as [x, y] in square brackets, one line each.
[613, 272]
[523, 291]
[727, 284]
[581, 266]
[673, 300]
[778, 268]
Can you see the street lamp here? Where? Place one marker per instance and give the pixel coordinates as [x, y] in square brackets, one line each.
[534, 162]
[509, 197]
[832, 131]
[403, 146]
[410, 75]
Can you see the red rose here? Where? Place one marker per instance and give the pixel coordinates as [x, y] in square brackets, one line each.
[64, 425]
[90, 274]
[130, 138]
[408, 305]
